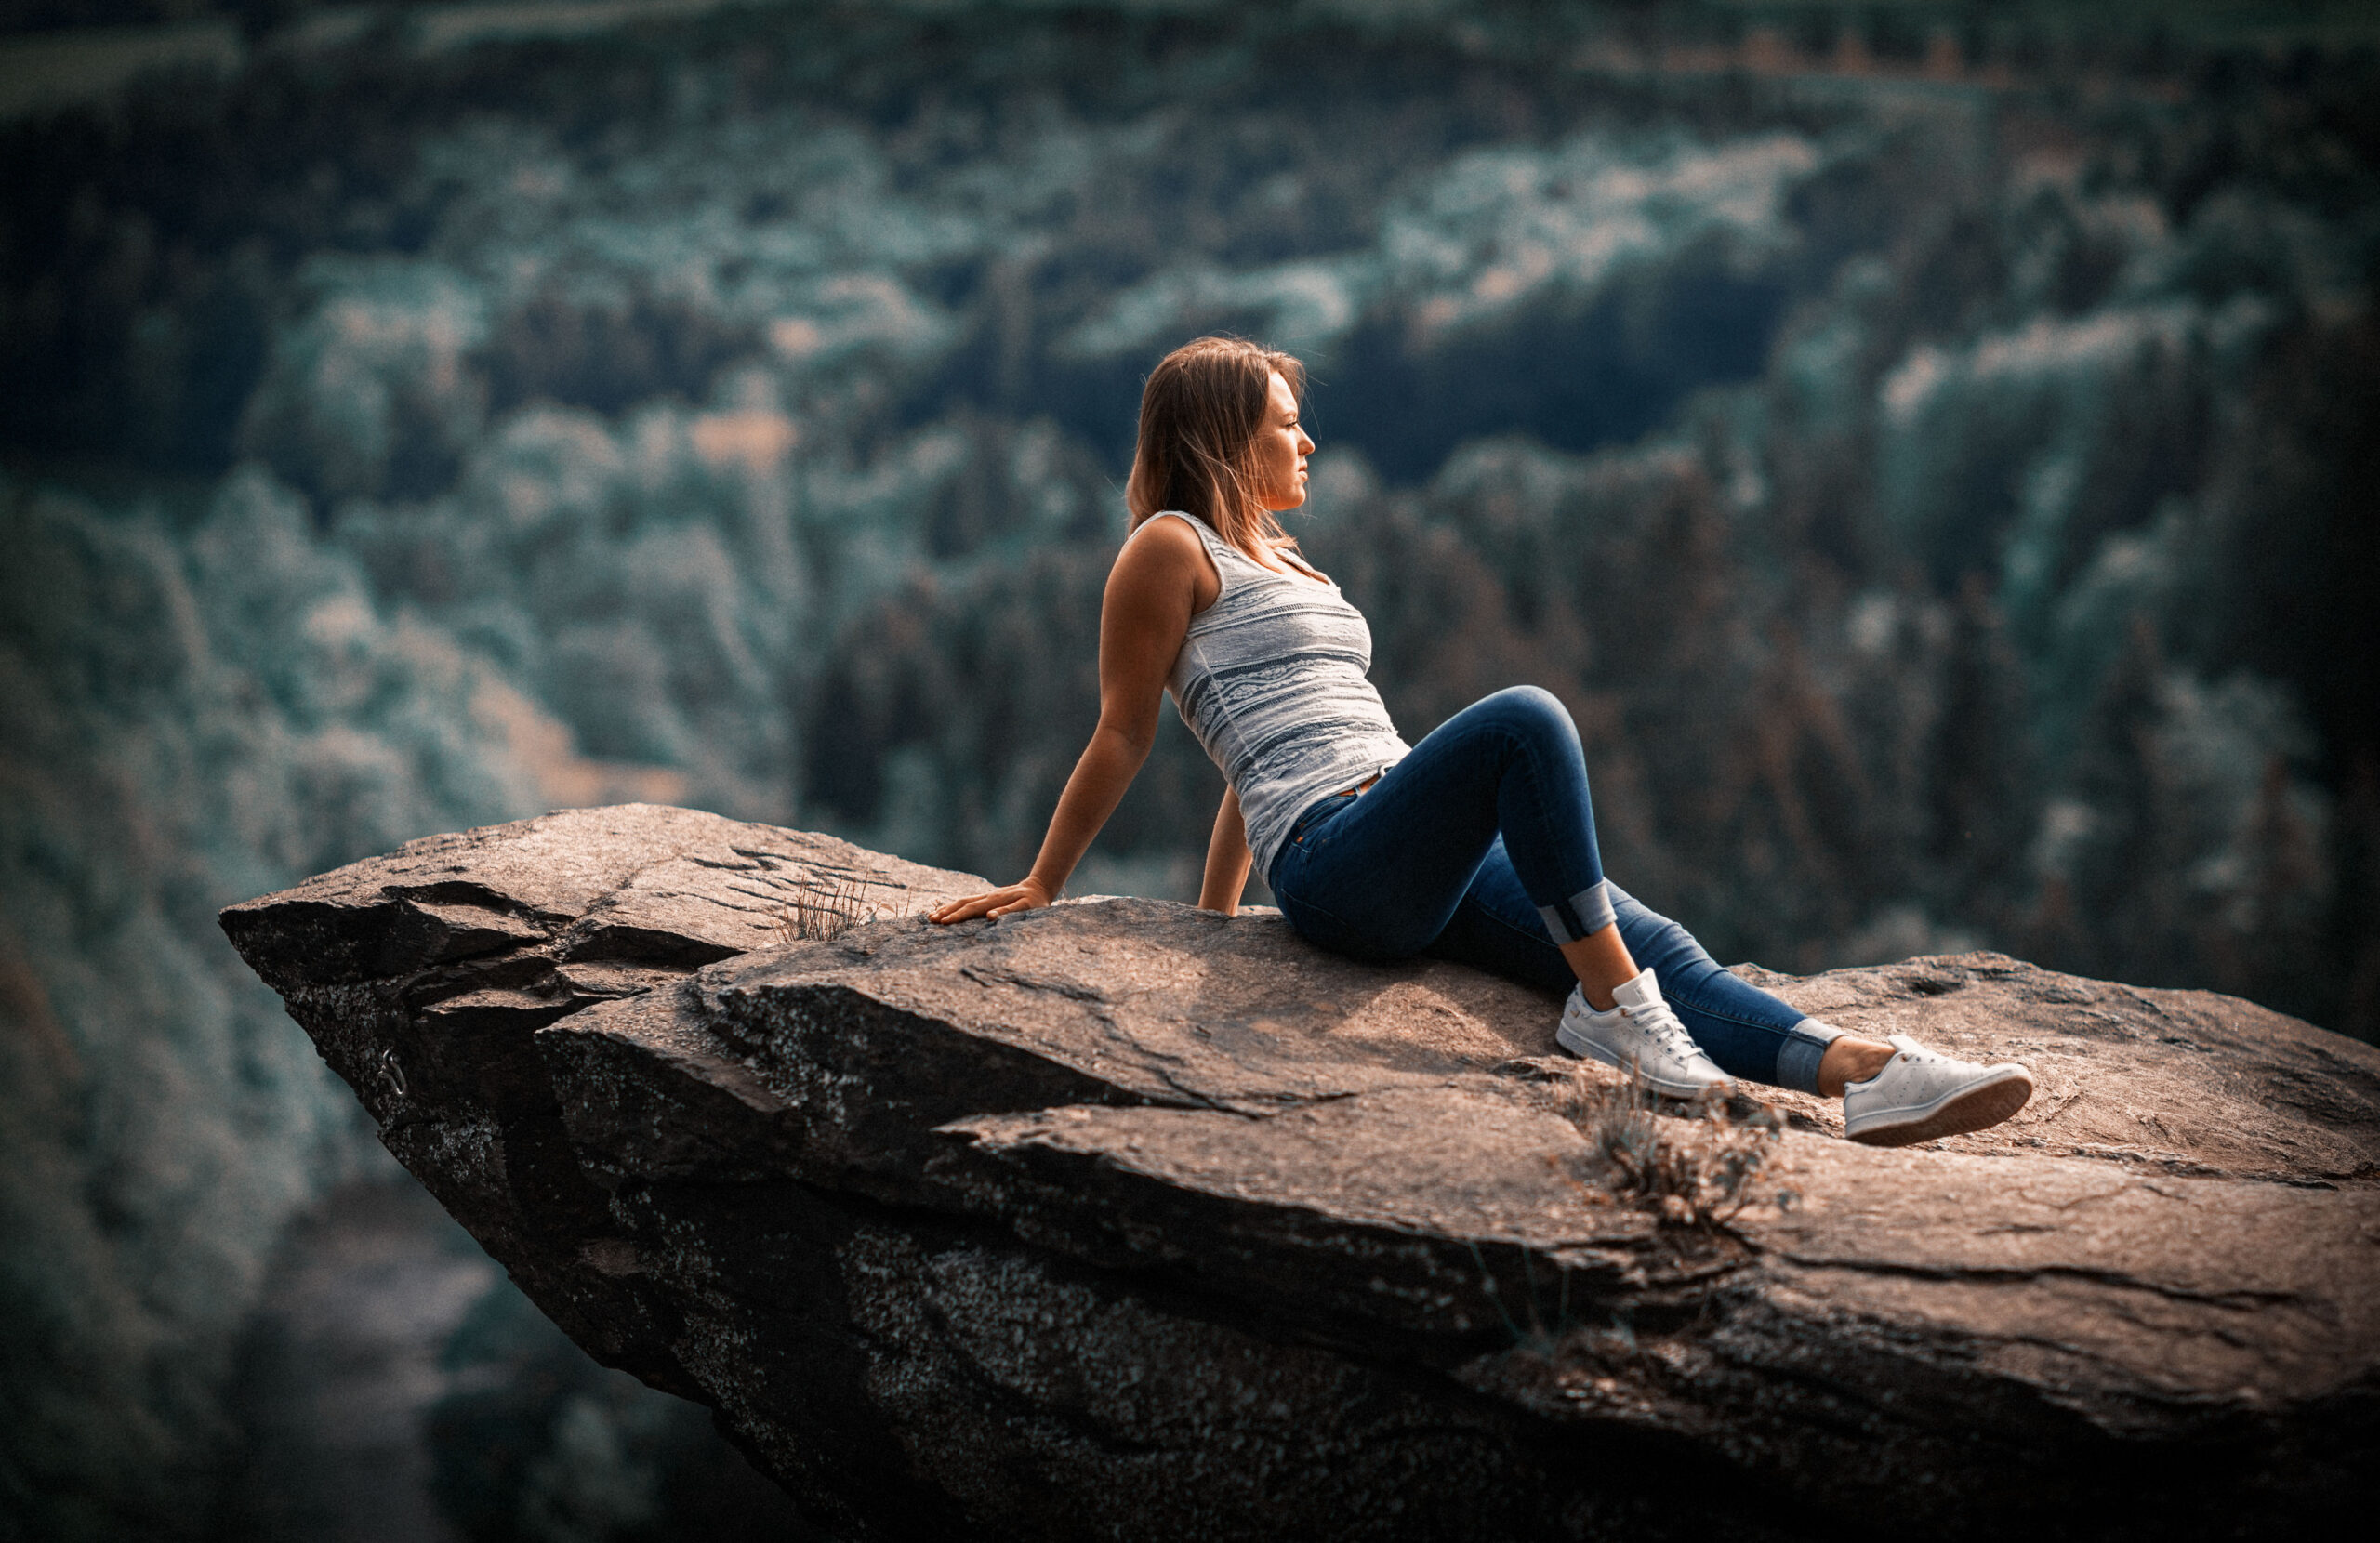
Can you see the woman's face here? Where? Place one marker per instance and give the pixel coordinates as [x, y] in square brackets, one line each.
[1281, 450]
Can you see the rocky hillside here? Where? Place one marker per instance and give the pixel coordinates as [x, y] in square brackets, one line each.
[1123, 1219]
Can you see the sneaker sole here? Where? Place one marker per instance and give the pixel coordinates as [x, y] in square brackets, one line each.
[1588, 1049]
[1974, 1107]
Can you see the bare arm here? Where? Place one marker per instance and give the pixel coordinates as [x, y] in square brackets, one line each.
[1151, 592]
[1228, 859]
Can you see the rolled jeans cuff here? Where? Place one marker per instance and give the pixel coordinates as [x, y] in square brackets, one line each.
[1798, 1057]
[1587, 912]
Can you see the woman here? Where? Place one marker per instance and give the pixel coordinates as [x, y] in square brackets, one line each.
[1478, 844]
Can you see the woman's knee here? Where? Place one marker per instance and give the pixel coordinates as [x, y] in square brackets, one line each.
[1529, 712]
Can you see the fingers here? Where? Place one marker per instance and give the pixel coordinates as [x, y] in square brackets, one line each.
[1005, 901]
[961, 910]
[998, 902]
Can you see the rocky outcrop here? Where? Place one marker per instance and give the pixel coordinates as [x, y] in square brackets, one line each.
[1125, 1220]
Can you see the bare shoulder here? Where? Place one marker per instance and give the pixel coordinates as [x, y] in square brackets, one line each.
[1166, 552]
[1162, 540]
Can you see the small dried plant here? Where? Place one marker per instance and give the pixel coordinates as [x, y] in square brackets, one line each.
[827, 907]
[1689, 1171]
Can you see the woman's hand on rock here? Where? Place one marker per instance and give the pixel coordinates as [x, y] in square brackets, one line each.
[1027, 895]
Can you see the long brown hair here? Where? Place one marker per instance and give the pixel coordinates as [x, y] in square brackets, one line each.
[1199, 414]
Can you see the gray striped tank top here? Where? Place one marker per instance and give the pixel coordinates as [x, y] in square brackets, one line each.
[1270, 680]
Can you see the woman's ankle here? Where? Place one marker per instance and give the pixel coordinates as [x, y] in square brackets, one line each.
[1602, 964]
[1850, 1060]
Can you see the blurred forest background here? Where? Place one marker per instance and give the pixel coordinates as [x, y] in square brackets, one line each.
[1929, 445]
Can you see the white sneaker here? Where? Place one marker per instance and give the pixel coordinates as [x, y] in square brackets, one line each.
[1921, 1094]
[1640, 1036]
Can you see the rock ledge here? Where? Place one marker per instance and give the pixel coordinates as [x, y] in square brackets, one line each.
[1125, 1220]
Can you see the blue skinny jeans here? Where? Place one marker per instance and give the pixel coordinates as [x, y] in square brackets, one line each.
[1480, 847]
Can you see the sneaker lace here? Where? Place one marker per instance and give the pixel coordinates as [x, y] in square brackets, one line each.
[1932, 1065]
[1922, 1055]
[1661, 1025]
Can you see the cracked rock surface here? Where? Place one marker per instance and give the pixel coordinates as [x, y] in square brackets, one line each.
[1125, 1220]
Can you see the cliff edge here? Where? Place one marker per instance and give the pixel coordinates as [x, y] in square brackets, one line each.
[1124, 1220]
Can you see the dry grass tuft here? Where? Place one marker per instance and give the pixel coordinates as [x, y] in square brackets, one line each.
[831, 904]
[1693, 1169]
